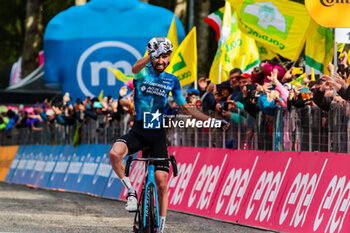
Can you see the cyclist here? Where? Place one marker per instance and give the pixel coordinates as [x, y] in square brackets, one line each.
[151, 89]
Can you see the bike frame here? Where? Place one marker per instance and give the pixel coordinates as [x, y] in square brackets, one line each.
[150, 180]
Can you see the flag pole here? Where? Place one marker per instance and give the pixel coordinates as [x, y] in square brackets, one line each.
[242, 65]
[220, 70]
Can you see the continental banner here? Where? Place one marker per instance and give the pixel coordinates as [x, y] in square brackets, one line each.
[330, 13]
[7, 154]
[280, 25]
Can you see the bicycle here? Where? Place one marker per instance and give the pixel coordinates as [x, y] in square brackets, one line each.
[147, 214]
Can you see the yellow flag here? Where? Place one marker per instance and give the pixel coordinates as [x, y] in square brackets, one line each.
[299, 80]
[235, 2]
[280, 25]
[184, 62]
[238, 50]
[120, 76]
[100, 97]
[226, 29]
[172, 35]
[340, 47]
[319, 48]
[265, 53]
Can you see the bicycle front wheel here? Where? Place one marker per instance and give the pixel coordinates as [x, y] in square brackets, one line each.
[151, 212]
[138, 219]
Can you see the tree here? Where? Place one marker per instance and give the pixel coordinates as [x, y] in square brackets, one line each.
[33, 37]
[12, 16]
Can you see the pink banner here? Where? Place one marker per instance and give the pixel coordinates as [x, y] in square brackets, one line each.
[284, 191]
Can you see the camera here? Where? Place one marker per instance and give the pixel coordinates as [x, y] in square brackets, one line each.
[341, 68]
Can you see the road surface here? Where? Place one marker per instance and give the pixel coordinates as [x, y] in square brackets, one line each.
[24, 209]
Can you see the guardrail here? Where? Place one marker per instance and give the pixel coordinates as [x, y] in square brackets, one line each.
[306, 129]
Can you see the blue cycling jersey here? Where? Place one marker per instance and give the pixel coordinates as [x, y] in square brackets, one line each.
[151, 91]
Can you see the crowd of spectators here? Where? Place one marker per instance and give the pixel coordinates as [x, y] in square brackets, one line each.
[268, 87]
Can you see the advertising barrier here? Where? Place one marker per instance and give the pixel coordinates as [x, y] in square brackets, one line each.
[50, 159]
[70, 180]
[88, 170]
[39, 167]
[283, 191]
[7, 154]
[14, 164]
[65, 154]
[103, 171]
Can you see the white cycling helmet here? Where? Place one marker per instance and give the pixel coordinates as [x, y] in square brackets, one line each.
[154, 43]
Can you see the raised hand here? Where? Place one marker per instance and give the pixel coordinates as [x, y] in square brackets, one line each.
[330, 68]
[340, 80]
[202, 83]
[266, 87]
[123, 90]
[273, 77]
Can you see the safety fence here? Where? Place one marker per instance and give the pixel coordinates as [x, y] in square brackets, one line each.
[302, 129]
[283, 191]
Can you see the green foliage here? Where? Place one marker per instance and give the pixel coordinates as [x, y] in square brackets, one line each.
[166, 4]
[12, 15]
[53, 7]
[300, 1]
[12, 21]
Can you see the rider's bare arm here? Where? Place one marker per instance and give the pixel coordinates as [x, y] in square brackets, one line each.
[140, 64]
[194, 112]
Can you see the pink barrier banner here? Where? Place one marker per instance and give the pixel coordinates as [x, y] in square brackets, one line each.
[284, 191]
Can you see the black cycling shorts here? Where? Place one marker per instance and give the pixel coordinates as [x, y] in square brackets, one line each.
[139, 138]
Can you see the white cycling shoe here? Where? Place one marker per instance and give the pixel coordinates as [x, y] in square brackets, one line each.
[131, 204]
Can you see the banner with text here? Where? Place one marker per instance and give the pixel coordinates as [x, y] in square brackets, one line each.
[284, 191]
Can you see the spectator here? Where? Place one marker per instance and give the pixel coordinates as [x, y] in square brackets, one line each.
[208, 98]
[269, 100]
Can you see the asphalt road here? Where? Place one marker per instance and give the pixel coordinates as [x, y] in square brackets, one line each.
[24, 209]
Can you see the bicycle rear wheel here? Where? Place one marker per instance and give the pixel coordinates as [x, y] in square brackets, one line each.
[151, 212]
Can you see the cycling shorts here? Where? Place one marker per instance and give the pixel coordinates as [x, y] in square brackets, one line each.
[139, 138]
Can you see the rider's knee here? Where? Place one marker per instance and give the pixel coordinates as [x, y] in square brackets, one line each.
[116, 154]
[162, 185]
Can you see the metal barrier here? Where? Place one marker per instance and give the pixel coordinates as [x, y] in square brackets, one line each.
[306, 129]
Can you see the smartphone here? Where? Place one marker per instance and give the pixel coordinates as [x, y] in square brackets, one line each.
[226, 106]
[251, 87]
[304, 90]
[341, 68]
[272, 87]
[298, 70]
